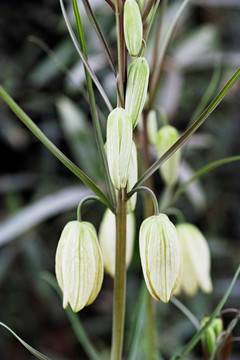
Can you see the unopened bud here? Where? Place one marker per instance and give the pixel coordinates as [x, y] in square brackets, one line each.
[119, 142]
[209, 337]
[160, 256]
[132, 178]
[166, 137]
[137, 84]
[79, 265]
[196, 260]
[217, 325]
[107, 240]
[133, 28]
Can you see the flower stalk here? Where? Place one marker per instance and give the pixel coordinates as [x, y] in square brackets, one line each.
[120, 278]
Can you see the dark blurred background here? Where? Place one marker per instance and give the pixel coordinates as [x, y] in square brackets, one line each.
[41, 70]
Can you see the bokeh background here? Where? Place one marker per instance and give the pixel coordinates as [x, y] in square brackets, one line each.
[41, 70]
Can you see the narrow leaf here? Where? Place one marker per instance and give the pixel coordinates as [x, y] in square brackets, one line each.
[181, 141]
[93, 20]
[192, 343]
[54, 150]
[204, 170]
[94, 113]
[75, 321]
[83, 58]
[28, 347]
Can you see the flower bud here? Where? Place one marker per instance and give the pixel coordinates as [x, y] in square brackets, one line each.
[119, 142]
[79, 265]
[107, 240]
[217, 325]
[166, 137]
[209, 337]
[132, 178]
[137, 84]
[196, 260]
[152, 127]
[160, 256]
[133, 28]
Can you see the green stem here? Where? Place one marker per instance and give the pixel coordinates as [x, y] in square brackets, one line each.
[120, 278]
[54, 150]
[93, 109]
[82, 202]
[150, 192]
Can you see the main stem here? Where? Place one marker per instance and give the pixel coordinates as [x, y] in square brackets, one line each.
[120, 278]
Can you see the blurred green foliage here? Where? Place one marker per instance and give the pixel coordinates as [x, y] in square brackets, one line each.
[42, 71]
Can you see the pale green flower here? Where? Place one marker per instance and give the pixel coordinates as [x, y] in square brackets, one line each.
[119, 143]
[133, 28]
[137, 85]
[107, 240]
[166, 137]
[152, 127]
[79, 265]
[196, 260]
[160, 256]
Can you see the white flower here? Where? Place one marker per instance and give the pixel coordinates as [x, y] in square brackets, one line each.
[107, 240]
[196, 260]
[160, 256]
[79, 265]
[166, 137]
[119, 143]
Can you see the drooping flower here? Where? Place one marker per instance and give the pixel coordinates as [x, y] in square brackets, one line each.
[79, 265]
[166, 137]
[160, 256]
[137, 85]
[107, 240]
[196, 260]
[133, 28]
[119, 143]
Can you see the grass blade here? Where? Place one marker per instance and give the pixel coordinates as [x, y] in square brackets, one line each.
[84, 60]
[54, 150]
[93, 20]
[192, 343]
[75, 322]
[28, 347]
[181, 141]
[94, 113]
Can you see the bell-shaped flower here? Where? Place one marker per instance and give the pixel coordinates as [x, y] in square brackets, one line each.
[166, 137]
[160, 256]
[107, 240]
[152, 127]
[133, 28]
[195, 260]
[79, 265]
[119, 143]
[132, 178]
[137, 85]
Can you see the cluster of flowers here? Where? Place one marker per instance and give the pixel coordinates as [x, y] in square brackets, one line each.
[164, 248]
